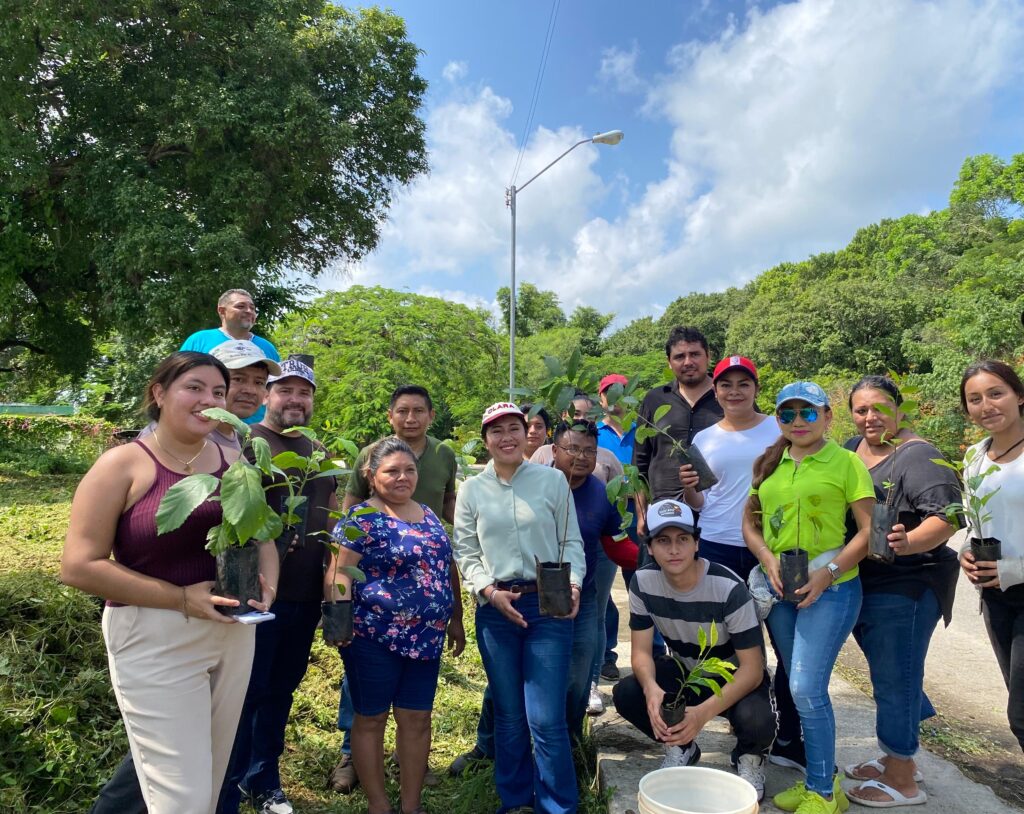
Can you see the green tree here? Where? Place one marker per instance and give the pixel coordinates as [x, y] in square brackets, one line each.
[154, 154]
[367, 341]
[708, 312]
[536, 310]
[640, 336]
[591, 324]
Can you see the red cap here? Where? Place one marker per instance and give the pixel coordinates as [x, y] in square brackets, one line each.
[610, 379]
[734, 363]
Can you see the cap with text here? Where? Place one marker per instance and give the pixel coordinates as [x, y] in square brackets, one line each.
[293, 367]
[734, 363]
[501, 409]
[238, 353]
[670, 513]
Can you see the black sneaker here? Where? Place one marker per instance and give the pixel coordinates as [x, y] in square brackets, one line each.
[609, 671]
[466, 760]
[790, 754]
[272, 802]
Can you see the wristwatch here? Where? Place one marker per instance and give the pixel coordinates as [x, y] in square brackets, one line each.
[833, 572]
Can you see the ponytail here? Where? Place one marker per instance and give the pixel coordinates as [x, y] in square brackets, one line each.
[764, 466]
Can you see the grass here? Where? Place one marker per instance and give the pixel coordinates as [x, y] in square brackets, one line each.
[60, 730]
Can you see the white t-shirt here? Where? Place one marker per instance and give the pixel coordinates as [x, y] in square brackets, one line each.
[731, 456]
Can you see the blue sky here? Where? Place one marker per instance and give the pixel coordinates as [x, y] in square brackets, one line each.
[754, 134]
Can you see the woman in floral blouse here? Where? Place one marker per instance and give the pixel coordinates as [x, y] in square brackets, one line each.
[401, 612]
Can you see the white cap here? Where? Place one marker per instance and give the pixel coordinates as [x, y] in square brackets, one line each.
[239, 353]
[667, 513]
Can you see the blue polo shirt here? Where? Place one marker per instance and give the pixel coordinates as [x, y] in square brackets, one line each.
[622, 447]
[597, 518]
[205, 341]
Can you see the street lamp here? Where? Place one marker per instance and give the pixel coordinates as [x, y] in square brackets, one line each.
[612, 137]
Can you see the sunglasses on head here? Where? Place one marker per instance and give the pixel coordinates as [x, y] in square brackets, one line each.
[787, 415]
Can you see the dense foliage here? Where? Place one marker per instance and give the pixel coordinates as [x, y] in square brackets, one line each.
[154, 154]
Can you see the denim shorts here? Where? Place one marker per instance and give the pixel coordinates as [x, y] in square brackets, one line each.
[379, 678]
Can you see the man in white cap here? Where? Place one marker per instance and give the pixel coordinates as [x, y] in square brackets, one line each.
[681, 594]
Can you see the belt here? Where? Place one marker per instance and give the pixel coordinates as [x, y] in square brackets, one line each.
[517, 587]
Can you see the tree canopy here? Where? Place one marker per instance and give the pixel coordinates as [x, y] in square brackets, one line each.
[154, 154]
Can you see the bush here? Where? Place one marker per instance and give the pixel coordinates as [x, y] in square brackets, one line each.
[52, 445]
[60, 732]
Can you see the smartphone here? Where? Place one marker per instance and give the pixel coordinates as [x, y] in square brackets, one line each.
[255, 617]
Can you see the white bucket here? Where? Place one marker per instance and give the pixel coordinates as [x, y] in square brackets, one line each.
[695, 790]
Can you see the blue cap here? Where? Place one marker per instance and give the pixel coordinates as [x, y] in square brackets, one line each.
[810, 392]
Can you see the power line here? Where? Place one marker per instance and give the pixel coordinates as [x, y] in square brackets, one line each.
[536, 91]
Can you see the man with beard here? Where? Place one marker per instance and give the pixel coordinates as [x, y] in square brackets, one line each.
[692, 408]
[237, 314]
[282, 644]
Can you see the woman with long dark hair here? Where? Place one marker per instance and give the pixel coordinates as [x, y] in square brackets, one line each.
[179, 667]
[992, 394]
[904, 599]
[802, 487]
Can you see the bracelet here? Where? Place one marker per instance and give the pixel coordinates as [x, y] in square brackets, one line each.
[184, 603]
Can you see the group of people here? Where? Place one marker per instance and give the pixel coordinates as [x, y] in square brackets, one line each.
[205, 700]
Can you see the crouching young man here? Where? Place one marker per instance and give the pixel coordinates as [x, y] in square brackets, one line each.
[680, 595]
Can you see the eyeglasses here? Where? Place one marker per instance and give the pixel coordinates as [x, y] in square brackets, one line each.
[579, 452]
[788, 415]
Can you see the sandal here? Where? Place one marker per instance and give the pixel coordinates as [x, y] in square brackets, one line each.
[855, 771]
[895, 798]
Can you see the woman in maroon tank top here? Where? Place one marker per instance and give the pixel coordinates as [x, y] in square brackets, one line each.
[179, 668]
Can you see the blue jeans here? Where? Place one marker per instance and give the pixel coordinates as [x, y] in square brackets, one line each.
[809, 641]
[604, 577]
[346, 715]
[528, 670]
[280, 661]
[586, 635]
[894, 632]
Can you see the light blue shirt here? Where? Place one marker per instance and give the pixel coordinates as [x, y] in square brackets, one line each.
[500, 526]
[205, 341]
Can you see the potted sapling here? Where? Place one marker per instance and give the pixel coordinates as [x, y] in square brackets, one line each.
[793, 563]
[337, 613]
[885, 515]
[973, 505]
[554, 593]
[701, 675]
[682, 452]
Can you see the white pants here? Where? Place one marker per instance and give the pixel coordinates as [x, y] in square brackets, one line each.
[180, 686]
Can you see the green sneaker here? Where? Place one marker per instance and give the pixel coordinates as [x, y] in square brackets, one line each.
[814, 803]
[790, 799]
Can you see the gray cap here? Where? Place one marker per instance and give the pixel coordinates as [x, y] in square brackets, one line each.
[239, 353]
[293, 367]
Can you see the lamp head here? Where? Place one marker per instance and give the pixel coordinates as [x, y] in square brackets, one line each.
[611, 137]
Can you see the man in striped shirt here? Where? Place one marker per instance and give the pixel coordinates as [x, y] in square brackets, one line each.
[679, 595]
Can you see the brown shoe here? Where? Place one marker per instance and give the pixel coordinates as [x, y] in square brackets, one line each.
[344, 778]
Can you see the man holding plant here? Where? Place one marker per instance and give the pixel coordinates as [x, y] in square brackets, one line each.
[283, 644]
[708, 620]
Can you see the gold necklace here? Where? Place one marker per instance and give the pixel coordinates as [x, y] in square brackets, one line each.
[186, 464]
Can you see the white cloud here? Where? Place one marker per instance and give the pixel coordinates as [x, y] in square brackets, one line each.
[789, 131]
[455, 71]
[618, 69]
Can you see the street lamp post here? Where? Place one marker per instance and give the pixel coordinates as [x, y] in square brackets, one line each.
[612, 137]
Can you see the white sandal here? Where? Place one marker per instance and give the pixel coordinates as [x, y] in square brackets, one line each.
[851, 771]
[898, 799]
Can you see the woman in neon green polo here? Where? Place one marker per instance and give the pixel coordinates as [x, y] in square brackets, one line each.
[806, 473]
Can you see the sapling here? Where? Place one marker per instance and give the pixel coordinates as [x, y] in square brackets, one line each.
[702, 674]
[973, 506]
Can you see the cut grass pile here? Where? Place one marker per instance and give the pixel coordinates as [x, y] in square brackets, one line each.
[60, 730]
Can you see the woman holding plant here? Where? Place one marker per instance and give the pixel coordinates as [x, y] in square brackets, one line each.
[178, 666]
[992, 394]
[401, 612]
[802, 487]
[905, 597]
[510, 520]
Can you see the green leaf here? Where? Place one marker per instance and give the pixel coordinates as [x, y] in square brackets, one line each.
[353, 572]
[947, 464]
[182, 499]
[270, 527]
[219, 539]
[331, 472]
[564, 398]
[660, 413]
[242, 498]
[60, 714]
[262, 454]
[702, 639]
[574, 364]
[218, 414]
[714, 634]
[290, 460]
[554, 366]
